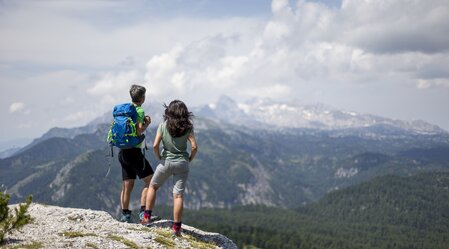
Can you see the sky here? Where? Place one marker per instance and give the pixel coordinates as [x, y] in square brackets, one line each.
[64, 63]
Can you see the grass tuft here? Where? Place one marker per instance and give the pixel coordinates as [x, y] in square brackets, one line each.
[169, 243]
[128, 243]
[196, 243]
[92, 245]
[34, 245]
[76, 234]
[142, 229]
[163, 232]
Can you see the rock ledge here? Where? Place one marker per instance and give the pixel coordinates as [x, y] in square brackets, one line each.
[57, 227]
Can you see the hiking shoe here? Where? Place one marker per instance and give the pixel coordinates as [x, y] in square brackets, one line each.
[176, 229]
[176, 232]
[141, 215]
[126, 218]
[147, 222]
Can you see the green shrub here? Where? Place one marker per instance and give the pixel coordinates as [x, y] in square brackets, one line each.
[10, 222]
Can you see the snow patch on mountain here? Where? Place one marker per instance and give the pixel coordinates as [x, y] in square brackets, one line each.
[266, 113]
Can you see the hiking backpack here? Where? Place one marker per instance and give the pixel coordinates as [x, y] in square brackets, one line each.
[123, 133]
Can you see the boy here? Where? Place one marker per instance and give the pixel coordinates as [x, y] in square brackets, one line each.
[132, 160]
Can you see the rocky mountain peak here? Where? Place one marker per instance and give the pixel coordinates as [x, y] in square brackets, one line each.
[57, 227]
[265, 112]
[226, 102]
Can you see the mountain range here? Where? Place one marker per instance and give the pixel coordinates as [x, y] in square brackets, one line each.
[269, 114]
[262, 113]
[257, 153]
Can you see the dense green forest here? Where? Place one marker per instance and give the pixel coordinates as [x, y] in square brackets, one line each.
[387, 212]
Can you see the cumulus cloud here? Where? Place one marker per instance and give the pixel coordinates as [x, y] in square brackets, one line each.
[129, 32]
[111, 88]
[363, 42]
[196, 69]
[16, 107]
[387, 26]
[113, 83]
[304, 50]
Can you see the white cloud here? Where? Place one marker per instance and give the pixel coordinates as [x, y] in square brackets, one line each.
[276, 30]
[16, 107]
[279, 5]
[428, 83]
[160, 66]
[304, 50]
[114, 83]
[230, 68]
[76, 33]
[386, 26]
[178, 80]
[308, 44]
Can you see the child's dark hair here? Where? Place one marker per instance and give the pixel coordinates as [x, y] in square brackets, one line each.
[178, 118]
[137, 93]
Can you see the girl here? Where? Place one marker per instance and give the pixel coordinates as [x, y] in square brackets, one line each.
[174, 133]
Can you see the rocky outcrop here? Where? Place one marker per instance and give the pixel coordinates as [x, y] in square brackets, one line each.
[57, 227]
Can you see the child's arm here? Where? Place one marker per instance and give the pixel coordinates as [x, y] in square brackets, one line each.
[157, 141]
[140, 128]
[192, 141]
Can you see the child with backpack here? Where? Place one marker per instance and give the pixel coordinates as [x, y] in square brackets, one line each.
[174, 133]
[127, 133]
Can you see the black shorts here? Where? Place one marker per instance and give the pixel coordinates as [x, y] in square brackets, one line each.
[132, 161]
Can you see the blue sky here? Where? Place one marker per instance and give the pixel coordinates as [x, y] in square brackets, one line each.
[63, 63]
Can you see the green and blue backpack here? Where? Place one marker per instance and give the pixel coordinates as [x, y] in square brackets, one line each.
[123, 133]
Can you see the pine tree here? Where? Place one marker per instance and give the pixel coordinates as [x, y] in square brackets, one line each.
[10, 222]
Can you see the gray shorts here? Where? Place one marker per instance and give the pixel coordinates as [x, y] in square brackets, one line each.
[178, 169]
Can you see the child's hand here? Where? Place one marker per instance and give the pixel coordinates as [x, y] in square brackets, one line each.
[147, 120]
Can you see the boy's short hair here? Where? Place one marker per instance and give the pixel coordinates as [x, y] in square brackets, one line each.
[137, 93]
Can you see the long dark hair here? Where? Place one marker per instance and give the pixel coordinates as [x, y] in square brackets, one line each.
[178, 118]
